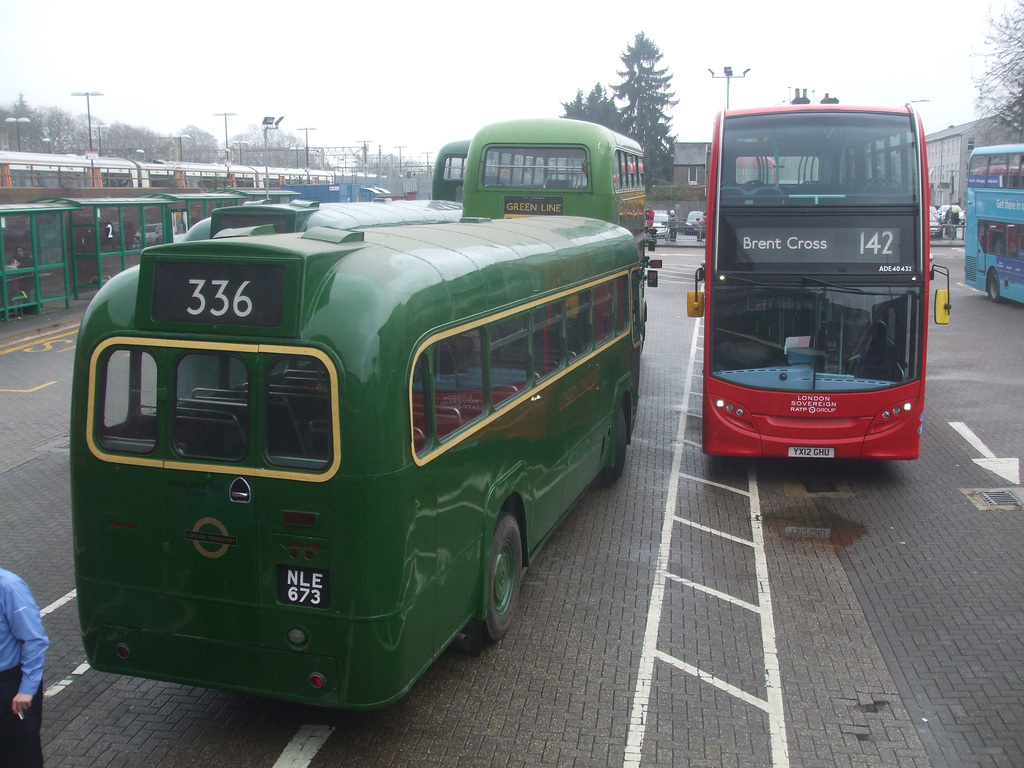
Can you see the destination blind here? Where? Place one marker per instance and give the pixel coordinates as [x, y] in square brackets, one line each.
[516, 206]
[222, 294]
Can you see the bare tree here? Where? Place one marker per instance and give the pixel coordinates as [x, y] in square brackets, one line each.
[1001, 88]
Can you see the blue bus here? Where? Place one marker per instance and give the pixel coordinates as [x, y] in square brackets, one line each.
[994, 239]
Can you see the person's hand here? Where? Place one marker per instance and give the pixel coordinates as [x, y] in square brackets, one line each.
[21, 702]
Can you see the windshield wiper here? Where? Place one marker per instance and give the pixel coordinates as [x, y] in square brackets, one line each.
[746, 281]
[825, 284]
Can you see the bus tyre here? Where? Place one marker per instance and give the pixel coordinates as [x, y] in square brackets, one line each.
[609, 475]
[506, 570]
[992, 285]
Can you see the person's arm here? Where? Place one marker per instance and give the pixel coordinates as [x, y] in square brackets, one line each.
[27, 626]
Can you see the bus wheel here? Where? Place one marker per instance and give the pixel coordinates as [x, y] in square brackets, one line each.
[992, 285]
[610, 474]
[505, 575]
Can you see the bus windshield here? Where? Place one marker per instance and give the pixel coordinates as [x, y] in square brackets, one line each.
[815, 337]
[814, 159]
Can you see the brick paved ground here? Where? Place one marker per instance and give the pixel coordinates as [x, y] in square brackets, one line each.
[901, 647]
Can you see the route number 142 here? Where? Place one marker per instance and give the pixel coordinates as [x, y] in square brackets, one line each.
[878, 243]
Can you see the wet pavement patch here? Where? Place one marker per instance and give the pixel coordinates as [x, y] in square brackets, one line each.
[814, 525]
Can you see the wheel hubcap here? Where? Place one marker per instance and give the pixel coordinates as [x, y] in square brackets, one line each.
[504, 577]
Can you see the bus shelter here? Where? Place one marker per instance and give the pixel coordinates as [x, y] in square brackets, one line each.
[185, 210]
[277, 195]
[108, 234]
[34, 256]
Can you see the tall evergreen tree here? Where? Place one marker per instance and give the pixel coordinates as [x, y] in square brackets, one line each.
[647, 95]
[1001, 88]
[598, 108]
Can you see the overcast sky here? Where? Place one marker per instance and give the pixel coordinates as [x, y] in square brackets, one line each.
[420, 74]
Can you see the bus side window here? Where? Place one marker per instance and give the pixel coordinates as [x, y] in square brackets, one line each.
[422, 418]
[578, 325]
[510, 357]
[548, 340]
[127, 420]
[602, 313]
[458, 381]
[621, 304]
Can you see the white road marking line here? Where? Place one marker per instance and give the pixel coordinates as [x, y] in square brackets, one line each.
[645, 673]
[772, 705]
[58, 603]
[301, 750]
[773, 676]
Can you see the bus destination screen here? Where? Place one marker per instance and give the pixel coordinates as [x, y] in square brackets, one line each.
[221, 294]
[856, 245]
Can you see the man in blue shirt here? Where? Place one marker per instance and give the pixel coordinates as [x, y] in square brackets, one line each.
[23, 644]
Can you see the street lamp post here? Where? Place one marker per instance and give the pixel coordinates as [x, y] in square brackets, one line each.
[307, 130]
[227, 149]
[400, 148]
[181, 154]
[88, 109]
[17, 126]
[241, 143]
[728, 75]
[269, 124]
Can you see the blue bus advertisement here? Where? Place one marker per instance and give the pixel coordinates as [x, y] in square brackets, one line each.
[994, 238]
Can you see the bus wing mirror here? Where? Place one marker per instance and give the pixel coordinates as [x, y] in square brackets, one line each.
[942, 306]
[695, 303]
[652, 278]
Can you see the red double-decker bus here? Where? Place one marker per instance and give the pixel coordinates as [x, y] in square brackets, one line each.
[816, 277]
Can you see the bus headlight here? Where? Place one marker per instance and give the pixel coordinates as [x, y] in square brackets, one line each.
[297, 636]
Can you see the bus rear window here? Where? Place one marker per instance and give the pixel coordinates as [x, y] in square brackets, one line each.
[535, 167]
[297, 414]
[127, 420]
[211, 407]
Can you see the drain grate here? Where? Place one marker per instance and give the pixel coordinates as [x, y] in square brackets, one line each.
[999, 498]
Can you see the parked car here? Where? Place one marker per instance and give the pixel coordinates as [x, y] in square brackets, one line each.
[661, 225]
[935, 224]
[154, 236]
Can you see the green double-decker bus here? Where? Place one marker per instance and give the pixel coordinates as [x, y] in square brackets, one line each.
[303, 464]
[555, 167]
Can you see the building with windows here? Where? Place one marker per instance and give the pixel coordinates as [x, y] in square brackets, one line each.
[690, 164]
[949, 152]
